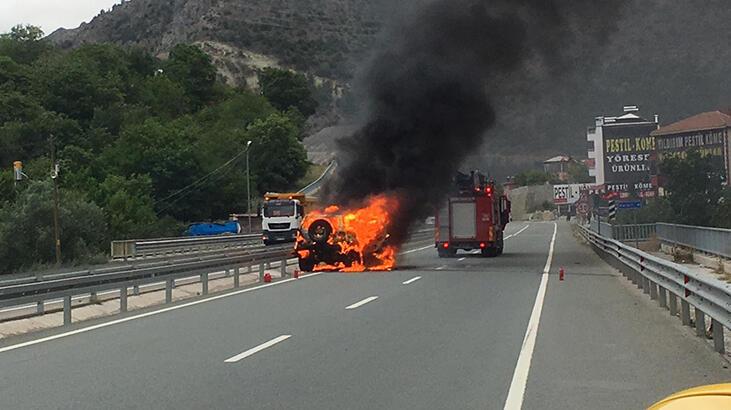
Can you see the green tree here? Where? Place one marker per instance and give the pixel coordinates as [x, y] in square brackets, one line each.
[26, 228]
[278, 158]
[128, 206]
[579, 173]
[165, 152]
[533, 177]
[24, 44]
[285, 89]
[193, 69]
[722, 216]
[694, 187]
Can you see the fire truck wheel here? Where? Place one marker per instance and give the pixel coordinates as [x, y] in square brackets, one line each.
[307, 264]
[490, 252]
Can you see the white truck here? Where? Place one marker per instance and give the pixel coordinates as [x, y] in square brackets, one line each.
[282, 216]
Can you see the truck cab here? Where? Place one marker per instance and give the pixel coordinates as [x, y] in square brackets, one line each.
[282, 216]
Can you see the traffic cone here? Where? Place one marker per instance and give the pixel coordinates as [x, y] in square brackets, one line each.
[561, 273]
[267, 278]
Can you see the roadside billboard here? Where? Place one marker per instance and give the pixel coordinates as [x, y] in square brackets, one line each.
[569, 193]
[709, 143]
[629, 159]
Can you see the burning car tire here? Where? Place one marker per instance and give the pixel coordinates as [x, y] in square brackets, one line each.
[320, 231]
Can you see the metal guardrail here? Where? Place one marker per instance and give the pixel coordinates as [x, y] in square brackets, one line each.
[601, 227]
[624, 233]
[159, 247]
[316, 184]
[123, 279]
[639, 232]
[668, 283]
[715, 241]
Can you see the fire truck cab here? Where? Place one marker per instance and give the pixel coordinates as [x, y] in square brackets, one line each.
[473, 218]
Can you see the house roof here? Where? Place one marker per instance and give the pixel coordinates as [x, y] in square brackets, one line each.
[560, 158]
[703, 121]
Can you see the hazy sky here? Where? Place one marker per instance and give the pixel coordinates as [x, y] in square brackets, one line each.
[50, 14]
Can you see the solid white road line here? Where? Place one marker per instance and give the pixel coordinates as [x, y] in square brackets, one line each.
[148, 314]
[361, 303]
[522, 368]
[412, 280]
[461, 259]
[416, 250]
[257, 349]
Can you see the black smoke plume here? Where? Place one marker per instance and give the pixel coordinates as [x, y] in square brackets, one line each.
[429, 93]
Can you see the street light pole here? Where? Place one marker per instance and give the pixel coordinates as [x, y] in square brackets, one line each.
[248, 185]
[54, 178]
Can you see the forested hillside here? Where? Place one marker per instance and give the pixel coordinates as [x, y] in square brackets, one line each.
[668, 56]
[143, 145]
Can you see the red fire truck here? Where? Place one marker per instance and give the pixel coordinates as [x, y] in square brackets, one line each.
[474, 217]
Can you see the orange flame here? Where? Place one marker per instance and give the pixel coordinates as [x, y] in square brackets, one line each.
[362, 230]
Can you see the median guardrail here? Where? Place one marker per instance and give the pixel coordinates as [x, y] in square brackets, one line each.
[317, 184]
[146, 248]
[670, 283]
[124, 278]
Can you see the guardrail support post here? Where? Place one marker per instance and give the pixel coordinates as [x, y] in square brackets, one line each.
[700, 323]
[123, 299]
[653, 290]
[136, 290]
[66, 310]
[204, 283]
[673, 302]
[40, 308]
[237, 271]
[261, 272]
[718, 343]
[93, 298]
[645, 285]
[283, 268]
[169, 284]
[662, 297]
[685, 312]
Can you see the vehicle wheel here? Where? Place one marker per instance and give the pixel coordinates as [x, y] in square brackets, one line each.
[442, 253]
[490, 252]
[320, 231]
[307, 264]
[500, 251]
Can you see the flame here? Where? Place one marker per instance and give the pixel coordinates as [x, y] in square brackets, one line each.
[360, 231]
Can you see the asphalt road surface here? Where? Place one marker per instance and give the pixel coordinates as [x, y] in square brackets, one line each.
[458, 333]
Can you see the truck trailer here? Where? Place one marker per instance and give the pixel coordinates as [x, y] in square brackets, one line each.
[473, 218]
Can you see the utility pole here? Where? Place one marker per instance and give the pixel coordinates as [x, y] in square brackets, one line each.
[54, 178]
[248, 185]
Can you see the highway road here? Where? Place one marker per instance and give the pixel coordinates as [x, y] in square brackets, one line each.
[459, 333]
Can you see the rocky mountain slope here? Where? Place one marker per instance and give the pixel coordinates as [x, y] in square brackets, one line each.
[668, 56]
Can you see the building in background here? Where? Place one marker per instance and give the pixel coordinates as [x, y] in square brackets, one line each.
[621, 154]
[558, 166]
[707, 132]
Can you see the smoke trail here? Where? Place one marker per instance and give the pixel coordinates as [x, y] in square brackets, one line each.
[428, 104]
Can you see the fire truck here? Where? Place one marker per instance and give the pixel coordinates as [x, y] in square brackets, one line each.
[473, 218]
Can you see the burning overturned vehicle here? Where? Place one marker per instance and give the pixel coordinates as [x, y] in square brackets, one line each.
[348, 240]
